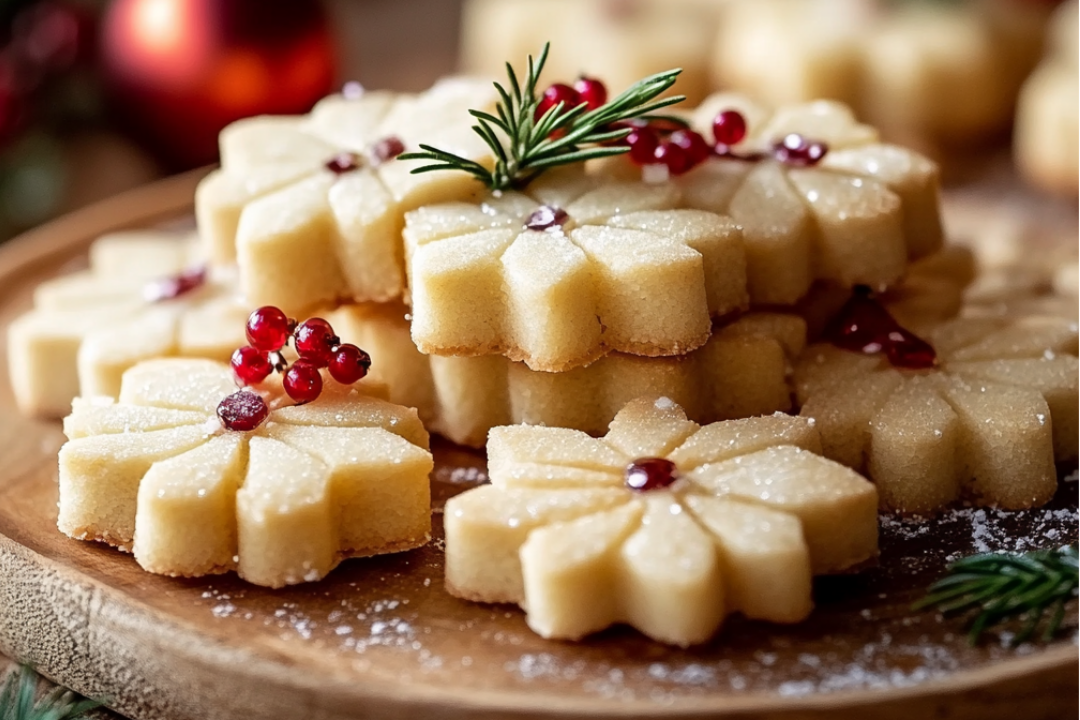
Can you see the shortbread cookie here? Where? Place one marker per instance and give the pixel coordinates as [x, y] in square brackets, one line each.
[985, 420]
[662, 524]
[146, 294]
[817, 196]
[929, 73]
[311, 207]
[618, 41]
[1048, 113]
[157, 473]
[740, 372]
[574, 267]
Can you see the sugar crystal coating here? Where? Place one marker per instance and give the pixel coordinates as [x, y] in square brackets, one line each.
[88, 327]
[753, 515]
[311, 206]
[281, 502]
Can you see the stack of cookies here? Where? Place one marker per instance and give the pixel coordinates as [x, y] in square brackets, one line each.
[592, 265]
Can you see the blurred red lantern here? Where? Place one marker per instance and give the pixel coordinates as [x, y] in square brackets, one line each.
[183, 69]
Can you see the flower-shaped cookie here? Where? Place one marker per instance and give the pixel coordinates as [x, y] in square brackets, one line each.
[311, 207]
[662, 524]
[145, 295]
[740, 372]
[579, 266]
[855, 215]
[1047, 115]
[986, 423]
[619, 42]
[156, 473]
[932, 73]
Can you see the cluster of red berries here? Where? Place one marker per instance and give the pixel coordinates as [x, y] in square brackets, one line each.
[679, 149]
[589, 91]
[269, 330]
[864, 325]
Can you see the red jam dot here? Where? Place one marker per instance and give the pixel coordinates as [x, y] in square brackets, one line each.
[795, 149]
[243, 411]
[650, 474]
[302, 382]
[343, 163]
[729, 128]
[268, 328]
[175, 286]
[315, 341]
[250, 365]
[557, 93]
[349, 364]
[591, 91]
[546, 217]
[863, 325]
[386, 149]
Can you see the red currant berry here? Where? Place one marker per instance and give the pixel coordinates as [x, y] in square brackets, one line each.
[343, 163]
[268, 329]
[546, 217]
[302, 382]
[650, 474]
[557, 93]
[697, 150]
[591, 91]
[172, 287]
[795, 149]
[673, 156]
[250, 365]
[729, 128]
[242, 411]
[386, 149]
[349, 364]
[643, 143]
[315, 341]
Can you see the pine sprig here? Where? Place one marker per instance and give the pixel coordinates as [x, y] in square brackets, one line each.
[17, 700]
[562, 135]
[994, 587]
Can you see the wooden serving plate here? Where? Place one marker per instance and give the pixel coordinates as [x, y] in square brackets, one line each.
[381, 639]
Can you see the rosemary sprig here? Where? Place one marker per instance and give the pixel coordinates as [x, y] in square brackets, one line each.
[994, 587]
[562, 135]
[17, 700]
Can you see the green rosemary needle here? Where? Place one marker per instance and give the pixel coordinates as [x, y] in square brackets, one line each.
[562, 135]
[17, 700]
[993, 587]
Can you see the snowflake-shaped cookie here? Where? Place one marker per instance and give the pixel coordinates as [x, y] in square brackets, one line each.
[987, 423]
[742, 371]
[145, 295]
[576, 266]
[311, 207]
[856, 216]
[662, 524]
[156, 473]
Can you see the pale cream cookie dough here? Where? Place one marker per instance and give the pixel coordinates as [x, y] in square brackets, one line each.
[843, 208]
[742, 371]
[576, 265]
[157, 473]
[985, 424]
[311, 206]
[662, 524]
[618, 41]
[934, 74]
[1048, 114]
[146, 294]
